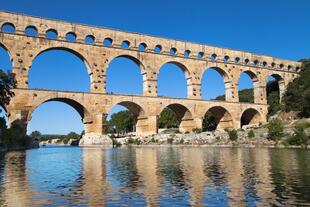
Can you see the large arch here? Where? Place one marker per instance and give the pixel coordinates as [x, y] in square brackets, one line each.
[250, 117]
[183, 115]
[133, 81]
[173, 80]
[248, 87]
[217, 118]
[275, 88]
[49, 108]
[214, 82]
[136, 111]
[66, 70]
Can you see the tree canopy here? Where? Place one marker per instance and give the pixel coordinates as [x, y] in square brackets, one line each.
[121, 122]
[6, 84]
[168, 119]
[297, 95]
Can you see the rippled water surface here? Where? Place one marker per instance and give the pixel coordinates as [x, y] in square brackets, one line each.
[160, 176]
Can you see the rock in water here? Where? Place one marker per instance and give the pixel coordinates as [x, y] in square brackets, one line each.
[95, 139]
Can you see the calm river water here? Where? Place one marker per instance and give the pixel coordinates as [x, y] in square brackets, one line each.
[159, 176]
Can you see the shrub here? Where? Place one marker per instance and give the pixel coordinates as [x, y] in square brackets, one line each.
[182, 141]
[197, 130]
[170, 140]
[134, 141]
[233, 135]
[299, 137]
[251, 134]
[153, 140]
[275, 129]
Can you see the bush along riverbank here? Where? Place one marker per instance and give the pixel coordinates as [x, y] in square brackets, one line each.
[274, 134]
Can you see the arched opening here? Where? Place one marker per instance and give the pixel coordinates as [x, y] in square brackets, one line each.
[251, 117]
[213, 57]
[217, 118]
[125, 44]
[187, 53]
[8, 27]
[71, 37]
[172, 80]
[125, 118]
[142, 47]
[157, 49]
[273, 84]
[107, 42]
[246, 86]
[58, 116]
[124, 76]
[59, 69]
[173, 51]
[51, 34]
[200, 55]
[213, 84]
[31, 31]
[176, 117]
[89, 39]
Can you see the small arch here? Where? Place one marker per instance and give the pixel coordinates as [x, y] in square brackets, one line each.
[246, 61]
[173, 51]
[237, 60]
[89, 39]
[142, 47]
[31, 31]
[226, 58]
[289, 67]
[281, 66]
[125, 44]
[213, 57]
[217, 118]
[200, 55]
[273, 64]
[158, 49]
[251, 117]
[264, 64]
[255, 62]
[187, 53]
[51, 34]
[71, 37]
[107, 42]
[183, 116]
[8, 27]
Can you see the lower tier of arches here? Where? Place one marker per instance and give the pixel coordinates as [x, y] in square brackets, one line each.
[94, 108]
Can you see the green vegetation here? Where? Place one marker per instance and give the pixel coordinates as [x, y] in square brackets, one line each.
[209, 123]
[133, 141]
[275, 130]
[168, 119]
[197, 130]
[299, 137]
[251, 134]
[121, 122]
[61, 138]
[6, 84]
[297, 95]
[233, 134]
[14, 137]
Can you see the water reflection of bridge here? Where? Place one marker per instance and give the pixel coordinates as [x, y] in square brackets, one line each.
[154, 176]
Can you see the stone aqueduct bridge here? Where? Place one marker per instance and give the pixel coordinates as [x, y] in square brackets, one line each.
[150, 53]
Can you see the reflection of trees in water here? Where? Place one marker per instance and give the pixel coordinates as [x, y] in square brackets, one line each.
[303, 163]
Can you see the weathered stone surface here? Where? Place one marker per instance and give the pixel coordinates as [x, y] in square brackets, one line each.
[95, 105]
[95, 139]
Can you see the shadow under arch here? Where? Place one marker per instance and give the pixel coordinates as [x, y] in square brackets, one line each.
[136, 61]
[226, 81]
[183, 114]
[217, 118]
[138, 113]
[186, 80]
[250, 117]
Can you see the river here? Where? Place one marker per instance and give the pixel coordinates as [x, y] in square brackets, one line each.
[155, 176]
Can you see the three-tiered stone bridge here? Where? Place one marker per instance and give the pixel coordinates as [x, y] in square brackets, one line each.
[150, 53]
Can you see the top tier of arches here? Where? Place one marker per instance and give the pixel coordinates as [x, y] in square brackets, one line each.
[65, 31]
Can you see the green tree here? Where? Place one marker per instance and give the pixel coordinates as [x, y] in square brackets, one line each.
[273, 97]
[299, 137]
[36, 134]
[297, 95]
[275, 129]
[233, 134]
[168, 119]
[209, 123]
[6, 84]
[122, 122]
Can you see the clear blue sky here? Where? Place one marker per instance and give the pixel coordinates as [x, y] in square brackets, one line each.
[277, 28]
